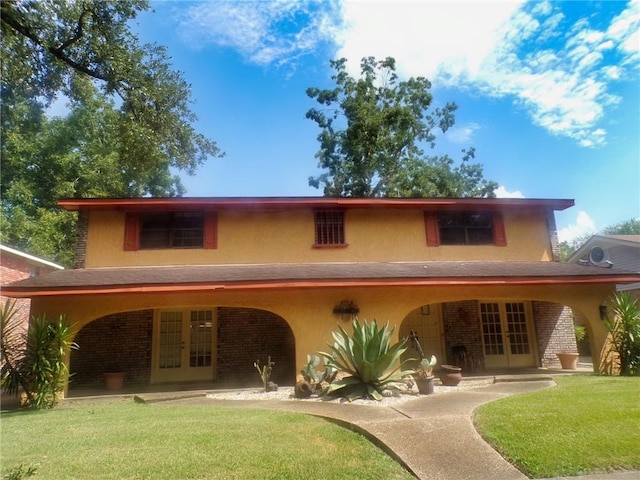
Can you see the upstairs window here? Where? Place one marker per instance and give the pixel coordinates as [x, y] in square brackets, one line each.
[465, 228]
[329, 229]
[162, 230]
[171, 230]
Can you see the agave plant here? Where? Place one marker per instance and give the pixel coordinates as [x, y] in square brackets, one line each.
[368, 358]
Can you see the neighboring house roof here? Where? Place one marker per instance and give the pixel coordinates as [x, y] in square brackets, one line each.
[266, 203]
[624, 250]
[310, 275]
[4, 250]
[618, 251]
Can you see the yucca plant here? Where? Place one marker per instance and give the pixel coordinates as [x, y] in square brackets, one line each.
[35, 361]
[368, 358]
[624, 328]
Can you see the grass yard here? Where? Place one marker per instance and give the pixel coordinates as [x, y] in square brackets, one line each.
[586, 424]
[134, 441]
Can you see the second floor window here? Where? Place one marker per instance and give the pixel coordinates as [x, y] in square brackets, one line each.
[329, 228]
[171, 230]
[465, 228]
[154, 230]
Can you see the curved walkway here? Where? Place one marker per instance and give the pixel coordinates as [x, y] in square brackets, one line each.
[412, 434]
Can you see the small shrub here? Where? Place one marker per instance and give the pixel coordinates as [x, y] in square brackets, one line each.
[20, 472]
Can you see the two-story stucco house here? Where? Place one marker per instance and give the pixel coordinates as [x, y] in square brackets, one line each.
[197, 289]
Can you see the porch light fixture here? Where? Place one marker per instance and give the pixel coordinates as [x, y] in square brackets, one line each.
[347, 310]
[603, 312]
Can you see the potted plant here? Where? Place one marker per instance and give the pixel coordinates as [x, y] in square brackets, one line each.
[424, 375]
[568, 360]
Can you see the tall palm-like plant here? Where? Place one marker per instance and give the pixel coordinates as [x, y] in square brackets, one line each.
[624, 329]
[35, 361]
[368, 358]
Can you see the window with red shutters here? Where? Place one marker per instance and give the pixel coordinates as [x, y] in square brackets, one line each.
[465, 228]
[158, 230]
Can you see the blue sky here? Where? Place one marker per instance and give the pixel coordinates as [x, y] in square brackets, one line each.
[547, 92]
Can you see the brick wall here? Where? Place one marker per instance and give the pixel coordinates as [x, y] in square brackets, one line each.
[462, 328]
[553, 235]
[80, 248]
[246, 335]
[554, 328]
[119, 342]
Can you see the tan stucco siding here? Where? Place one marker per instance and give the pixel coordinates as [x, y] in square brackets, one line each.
[386, 235]
[309, 311]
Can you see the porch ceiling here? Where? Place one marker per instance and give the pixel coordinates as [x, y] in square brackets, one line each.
[309, 275]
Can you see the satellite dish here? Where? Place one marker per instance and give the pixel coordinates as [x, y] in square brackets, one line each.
[598, 257]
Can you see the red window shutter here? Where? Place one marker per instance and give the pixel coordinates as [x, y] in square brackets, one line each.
[131, 231]
[431, 228]
[210, 239]
[499, 234]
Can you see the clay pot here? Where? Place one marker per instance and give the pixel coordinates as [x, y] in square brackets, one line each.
[425, 385]
[450, 375]
[568, 361]
[302, 389]
[114, 380]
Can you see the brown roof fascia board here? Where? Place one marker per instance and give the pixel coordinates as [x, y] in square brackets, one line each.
[269, 203]
[28, 292]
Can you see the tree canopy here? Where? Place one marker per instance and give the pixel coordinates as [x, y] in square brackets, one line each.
[128, 120]
[626, 227]
[372, 130]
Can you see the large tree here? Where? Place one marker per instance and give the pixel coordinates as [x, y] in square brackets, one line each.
[129, 119]
[372, 132]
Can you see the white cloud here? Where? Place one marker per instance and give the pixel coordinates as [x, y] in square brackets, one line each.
[265, 33]
[462, 134]
[502, 192]
[583, 225]
[556, 68]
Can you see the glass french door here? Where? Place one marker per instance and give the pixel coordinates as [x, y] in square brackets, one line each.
[506, 334]
[184, 343]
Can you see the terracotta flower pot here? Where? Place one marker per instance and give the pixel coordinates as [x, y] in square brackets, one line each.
[114, 380]
[450, 375]
[425, 385]
[568, 361]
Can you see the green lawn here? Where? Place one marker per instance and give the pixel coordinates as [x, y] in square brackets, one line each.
[134, 441]
[585, 424]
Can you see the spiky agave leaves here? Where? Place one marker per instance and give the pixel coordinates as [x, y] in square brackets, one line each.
[368, 358]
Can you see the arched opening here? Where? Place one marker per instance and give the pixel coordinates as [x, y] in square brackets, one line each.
[212, 344]
[426, 324]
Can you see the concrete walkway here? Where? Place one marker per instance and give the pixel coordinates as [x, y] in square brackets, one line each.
[442, 445]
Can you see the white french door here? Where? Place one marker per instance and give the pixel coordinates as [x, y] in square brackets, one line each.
[507, 334]
[184, 343]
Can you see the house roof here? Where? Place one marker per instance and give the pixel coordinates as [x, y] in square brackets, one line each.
[309, 275]
[33, 260]
[605, 241]
[269, 203]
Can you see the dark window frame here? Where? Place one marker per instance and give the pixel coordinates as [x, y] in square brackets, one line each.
[329, 227]
[466, 227]
[179, 232]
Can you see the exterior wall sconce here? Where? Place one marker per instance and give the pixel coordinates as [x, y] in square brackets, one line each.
[347, 310]
[603, 312]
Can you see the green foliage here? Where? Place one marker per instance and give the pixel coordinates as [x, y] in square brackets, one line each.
[368, 358]
[313, 376]
[128, 122]
[425, 368]
[624, 329]
[35, 361]
[20, 472]
[371, 129]
[627, 227]
[265, 371]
